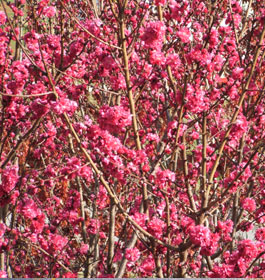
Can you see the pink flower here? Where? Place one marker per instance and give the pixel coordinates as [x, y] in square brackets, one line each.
[70, 275]
[140, 219]
[58, 242]
[29, 209]
[118, 255]
[39, 107]
[153, 34]
[195, 135]
[132, 254]
[38, 223]
[84, 248]
[160, 2]
[93, 26]
[157, 57]
[196, 101]
[213, 41]
[9, 178]
[200, 235]
[237, 73]
[260, 234]
[175, 9]
[53, 42]
[73, 217]
[245, 226]
[64, 105]
[108, 62]
[225, 228]
[49, 11]
[103, 275]
[20, 71]
[85, 172]
[230, 46]
[13, 197]
[212, 245]
[2, 229]
[249, 204]
[164, 176]
[147, 266]
[173, 60]
[156, 227]
[114, 119]
[184, 34]
[72, 168]
[242, 265]
[186, 223]
[221, 271]
[153, 137]
[93, 227]
[102, 198]
[2, 17]
[248, 249]
[3, 274]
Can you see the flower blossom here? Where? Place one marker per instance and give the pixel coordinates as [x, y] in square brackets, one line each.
[153, 35]
[2, 229]
[184, 35]
[2, 17]
[200, 235]
[203, 237]
[160, 2]
[249, 204]
[9, 178]
[114, 119]
[49, 11]
[260, 234]
[3, 274]
[156, 227]
[63, 105]
[132, 254]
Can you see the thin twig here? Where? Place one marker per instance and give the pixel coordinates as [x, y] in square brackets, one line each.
[84, 29]
[27, 95]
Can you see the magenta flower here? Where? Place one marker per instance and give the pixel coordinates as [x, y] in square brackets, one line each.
[9, 178]
[132, 254]
[153, 34]
[249, 204]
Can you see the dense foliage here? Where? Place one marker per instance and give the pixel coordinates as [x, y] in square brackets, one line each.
[132, 138]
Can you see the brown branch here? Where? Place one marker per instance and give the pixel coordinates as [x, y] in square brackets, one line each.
[128, 84]
[112, 215]
[205, 195]
[26, 95]
[186, 174]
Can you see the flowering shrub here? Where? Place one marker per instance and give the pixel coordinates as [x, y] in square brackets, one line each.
[132, 139]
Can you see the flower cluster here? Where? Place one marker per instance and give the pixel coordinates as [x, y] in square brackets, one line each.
[114, 119]
[249, 204]
[132, 254]
[203, 237]
[9, 179]
[153, 35]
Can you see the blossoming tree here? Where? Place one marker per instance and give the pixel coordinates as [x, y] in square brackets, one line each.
[132, 138]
